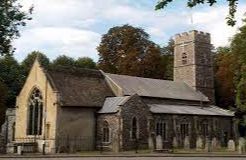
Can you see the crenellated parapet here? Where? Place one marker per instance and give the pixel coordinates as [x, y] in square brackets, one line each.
[194, 35]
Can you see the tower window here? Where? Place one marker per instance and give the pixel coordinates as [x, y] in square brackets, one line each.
[35, 116]
[184, 58]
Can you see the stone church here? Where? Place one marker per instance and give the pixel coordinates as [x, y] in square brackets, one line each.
[81, 109]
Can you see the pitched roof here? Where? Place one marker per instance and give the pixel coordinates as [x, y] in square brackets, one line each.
[79, 87]
[190, 110]
[155, 88]
[112, 104]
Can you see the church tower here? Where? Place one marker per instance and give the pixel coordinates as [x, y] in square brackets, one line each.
[193, 62]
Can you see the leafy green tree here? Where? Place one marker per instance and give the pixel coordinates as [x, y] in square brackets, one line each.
[232, 4]
[85, 62]
[128, 50]
[29, 60]
[63, 61]
[11, 18]
[11, 76]
[238, 47]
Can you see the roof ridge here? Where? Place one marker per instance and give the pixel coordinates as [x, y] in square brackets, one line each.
[142, 77]
[75, 71]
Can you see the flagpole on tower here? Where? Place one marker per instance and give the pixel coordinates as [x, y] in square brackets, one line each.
[191, 20]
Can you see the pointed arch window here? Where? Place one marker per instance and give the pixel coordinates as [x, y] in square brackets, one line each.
[35, 113]
[161, 129]
[134, 129]
[204, 128]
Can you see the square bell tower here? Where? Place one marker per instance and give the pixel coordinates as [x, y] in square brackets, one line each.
[193, 61]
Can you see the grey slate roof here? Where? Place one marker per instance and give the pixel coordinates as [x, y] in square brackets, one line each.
[111, 104]
[79, 87]
[189, 110]
[156, 88]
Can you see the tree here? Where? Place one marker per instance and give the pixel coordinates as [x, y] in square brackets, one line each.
[63, 61]
[11, 18]
[29, 60]
[12, 77]
[232, 4]
[128, 50]
[85, 62]
[238, 47]
[167, 60]
[224, 77]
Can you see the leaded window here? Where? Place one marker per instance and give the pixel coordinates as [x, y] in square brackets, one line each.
[105, 137]
[204, 129]
[35, 113]
[184, 130]
[161, 129]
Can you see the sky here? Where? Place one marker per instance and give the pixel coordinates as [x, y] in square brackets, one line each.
[75, 27]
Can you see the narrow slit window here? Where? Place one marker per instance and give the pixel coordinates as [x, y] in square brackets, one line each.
[105, 137]
[134, 129]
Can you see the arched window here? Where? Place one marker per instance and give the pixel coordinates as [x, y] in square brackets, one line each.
[184, 129]
[204, 128]
[184, 58]
[105, 137]
[134, 129]
[35, 113]
[161, 129]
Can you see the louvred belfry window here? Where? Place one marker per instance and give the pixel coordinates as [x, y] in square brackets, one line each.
[184, 58]
[35, 113]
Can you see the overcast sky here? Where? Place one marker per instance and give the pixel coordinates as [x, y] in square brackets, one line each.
[75, 27]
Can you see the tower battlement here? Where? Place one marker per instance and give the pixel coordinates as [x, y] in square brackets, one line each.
[193, 35]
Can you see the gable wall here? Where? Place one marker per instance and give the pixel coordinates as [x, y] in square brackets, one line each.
[36, 78]
[134, 107]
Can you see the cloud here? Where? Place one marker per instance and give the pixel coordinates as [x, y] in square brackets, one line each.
[213, 21]
[74, 27]
[55, 41]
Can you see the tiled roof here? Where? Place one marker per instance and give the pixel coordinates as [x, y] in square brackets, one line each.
[189, 110]
[155, 88]
[111, 104]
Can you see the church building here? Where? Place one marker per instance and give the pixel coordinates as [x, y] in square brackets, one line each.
[62, 110]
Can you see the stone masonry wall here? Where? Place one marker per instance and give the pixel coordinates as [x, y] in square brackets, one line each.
[218, 127]
[113, 121]
[134, 107]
